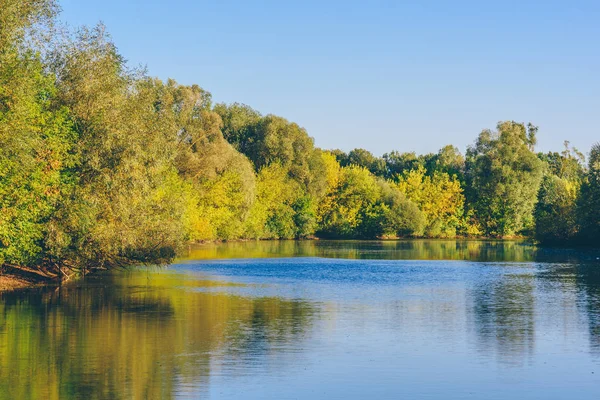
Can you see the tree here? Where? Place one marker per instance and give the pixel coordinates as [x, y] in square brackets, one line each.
[340, 156]
[36, 138]
[366, 159]
[273, 140]
[125, 206]
[223, 179]
[239, 124]
[439, 197]
[359, 205]
[401, 217]
[448, 160]
[397, 163]
[274, 213]
[589, 202]
[555, 211]
[567, 164]
[18, 18]
[343, 210]
[503, 177]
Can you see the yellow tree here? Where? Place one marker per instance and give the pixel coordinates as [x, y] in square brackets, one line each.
[440, 198]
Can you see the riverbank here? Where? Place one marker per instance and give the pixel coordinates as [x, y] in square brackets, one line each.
[18, 278]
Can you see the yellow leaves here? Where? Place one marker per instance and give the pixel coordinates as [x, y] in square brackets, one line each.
[274, 185]
[440, 197]
[414, 185]
[572, 188]
[332, 169]
[351, 191]
[201, 228]
[220, 208]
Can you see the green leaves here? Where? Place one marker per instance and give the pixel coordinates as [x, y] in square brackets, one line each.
[503, 178]
[588, 204]
[555, 212]
[439, 197]
[36, 155]
[360, 205]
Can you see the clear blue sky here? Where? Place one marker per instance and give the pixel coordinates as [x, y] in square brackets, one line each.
[382, 75]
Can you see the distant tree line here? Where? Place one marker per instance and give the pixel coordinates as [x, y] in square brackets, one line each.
[103, 166]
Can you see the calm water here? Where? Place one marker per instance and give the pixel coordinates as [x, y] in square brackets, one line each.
[316, 320]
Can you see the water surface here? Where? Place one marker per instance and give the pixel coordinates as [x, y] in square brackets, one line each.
[331, 320]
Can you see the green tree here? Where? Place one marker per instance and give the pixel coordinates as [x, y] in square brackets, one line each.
[273, 140]
[439, 197]
[448, 160]
[555, 211]
[273, 215]
[343, 212]
[19, 18]
[223, 179]
[360, 205]
[364, 158]
[239, 124]
[126, 206]
[36, 138]
[397, 163]
[589, 201]
[503, 177]
[567, 164]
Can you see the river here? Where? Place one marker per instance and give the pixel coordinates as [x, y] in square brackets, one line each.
[430, 319]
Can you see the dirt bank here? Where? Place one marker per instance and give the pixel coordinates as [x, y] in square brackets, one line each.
[17, 278]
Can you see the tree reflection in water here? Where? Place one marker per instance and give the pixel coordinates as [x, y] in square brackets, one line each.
[134, 336]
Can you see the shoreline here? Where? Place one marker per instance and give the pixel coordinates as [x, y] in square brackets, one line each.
[9, 282]
[12, 278]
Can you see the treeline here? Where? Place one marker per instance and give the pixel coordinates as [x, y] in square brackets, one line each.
[102, 166]
[502, 188]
